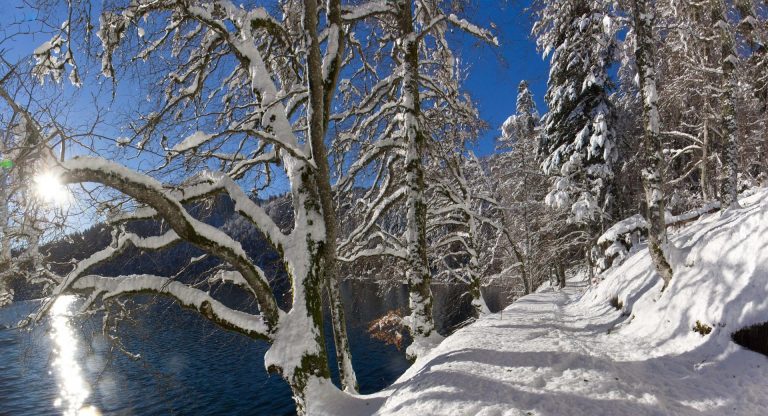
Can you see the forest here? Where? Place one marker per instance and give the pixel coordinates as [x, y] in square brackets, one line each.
[246, 162]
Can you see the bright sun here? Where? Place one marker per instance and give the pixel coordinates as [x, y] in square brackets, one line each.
[50, 189]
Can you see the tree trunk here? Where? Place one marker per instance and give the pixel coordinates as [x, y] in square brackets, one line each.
[764, 148]
[520, 259]
[6, 296]
[704, 166]
[303, 361]
[523, 273]
[417, 272]
[478, 303]
[479, 306]
[313, 367]
[729, 185]
[320, 100]
[653, 172]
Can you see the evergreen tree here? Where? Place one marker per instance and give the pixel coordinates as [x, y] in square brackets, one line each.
[522, 186]
[578, 140]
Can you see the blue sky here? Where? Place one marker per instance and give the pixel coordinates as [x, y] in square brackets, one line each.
[492, 78]
[495, 72]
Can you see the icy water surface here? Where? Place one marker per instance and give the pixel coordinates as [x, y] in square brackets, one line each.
[187, 366]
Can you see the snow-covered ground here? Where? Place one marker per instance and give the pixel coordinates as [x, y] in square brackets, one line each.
[569, 352]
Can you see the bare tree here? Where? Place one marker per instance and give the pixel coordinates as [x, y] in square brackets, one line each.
[389, 135]
[250, 103]
[653, 171]
[729, 61]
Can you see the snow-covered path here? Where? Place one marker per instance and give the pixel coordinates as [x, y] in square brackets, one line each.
[570, 352]
[547, 355]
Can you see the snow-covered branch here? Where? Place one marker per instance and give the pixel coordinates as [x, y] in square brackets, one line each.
[111, 287]
[148, 191]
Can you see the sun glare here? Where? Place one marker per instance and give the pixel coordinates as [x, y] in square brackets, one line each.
[50, 189]
[73, 389]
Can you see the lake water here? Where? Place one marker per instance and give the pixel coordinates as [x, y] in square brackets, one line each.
[187, 366]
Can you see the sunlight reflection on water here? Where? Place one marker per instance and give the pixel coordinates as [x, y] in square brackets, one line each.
[73, 390]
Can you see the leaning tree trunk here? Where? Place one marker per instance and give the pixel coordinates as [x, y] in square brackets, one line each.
[527, 282]
[653, 172]
[320, 91]
[417, 274]
[590, 261]
[527, 289]
[729, 184]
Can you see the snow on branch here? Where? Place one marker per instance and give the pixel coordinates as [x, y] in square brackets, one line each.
[473, 29]
[625, 226]
[149, 191]
[227, 31]
[214, 183]
[122, 242]
[372, 214]
[118, 246]
[254, 213]
[377, 251]
[109, 287]
[369, 155]
[193, 141]
[229, 276]
[366, 10]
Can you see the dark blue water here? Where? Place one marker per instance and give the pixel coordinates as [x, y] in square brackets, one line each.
[187, 366]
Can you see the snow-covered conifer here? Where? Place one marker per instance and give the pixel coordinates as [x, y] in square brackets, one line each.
[578, 140]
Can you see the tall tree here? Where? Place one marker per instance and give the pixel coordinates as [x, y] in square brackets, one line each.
[417, 273]
[391, 137]
[729, 61]
[460, 218]
[687, 73]
[30, 209]
[251, 95]
[522, 186]
[21, 225]
[578, 141]
[653, 171]
[322, 78]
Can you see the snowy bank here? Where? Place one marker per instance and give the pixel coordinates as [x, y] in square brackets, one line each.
[618, 348]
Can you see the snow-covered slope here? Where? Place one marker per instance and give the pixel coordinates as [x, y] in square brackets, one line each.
[721, 280]
[570, 352]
